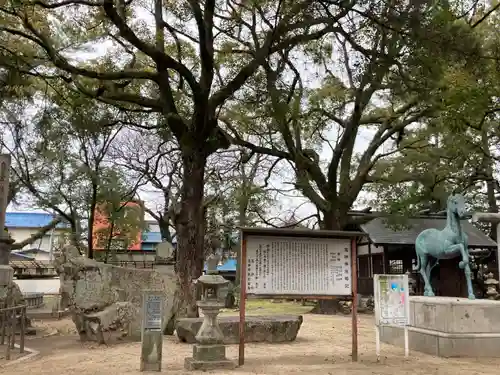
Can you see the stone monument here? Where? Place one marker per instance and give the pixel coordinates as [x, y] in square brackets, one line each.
[6, 272]
[152, 336]
[432, 245]
[104, 300]
[209, 352]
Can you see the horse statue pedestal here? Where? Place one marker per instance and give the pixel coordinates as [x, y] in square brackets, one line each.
[450, 327]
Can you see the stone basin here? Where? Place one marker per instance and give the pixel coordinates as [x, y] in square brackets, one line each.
[265, 328]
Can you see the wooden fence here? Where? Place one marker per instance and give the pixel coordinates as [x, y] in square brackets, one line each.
[9, 323]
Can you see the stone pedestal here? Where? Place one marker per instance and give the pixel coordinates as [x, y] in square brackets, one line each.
[450, 327]
[210, 352]
[5, 248]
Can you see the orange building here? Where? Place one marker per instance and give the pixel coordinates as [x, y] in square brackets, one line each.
[103, 228]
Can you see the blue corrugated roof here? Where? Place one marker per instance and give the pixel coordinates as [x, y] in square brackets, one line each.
[17, 256]
[32, 250]
[29, 220]
[228, 266]
[154, 237]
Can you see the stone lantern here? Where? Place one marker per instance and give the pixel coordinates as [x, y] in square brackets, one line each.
[491, 286]
[209, 352]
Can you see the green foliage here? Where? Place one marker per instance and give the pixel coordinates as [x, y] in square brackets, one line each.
[59, 145]
[456, 149]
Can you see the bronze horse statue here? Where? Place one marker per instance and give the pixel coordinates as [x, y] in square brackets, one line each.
[433, 245]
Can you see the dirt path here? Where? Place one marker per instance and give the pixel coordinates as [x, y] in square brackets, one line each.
[323, 347]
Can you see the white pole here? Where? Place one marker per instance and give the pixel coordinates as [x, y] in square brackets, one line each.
[407, 346]
[407, 313]
[377, 341]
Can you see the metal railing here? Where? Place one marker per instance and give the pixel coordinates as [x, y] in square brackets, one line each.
[8, 329]
[33, 300]
[50, 306]
[142, 264]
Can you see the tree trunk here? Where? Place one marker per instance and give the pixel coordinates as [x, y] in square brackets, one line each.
[109, 241]
[190, 227]
[334, 220]
[165, 229]
[93, 206]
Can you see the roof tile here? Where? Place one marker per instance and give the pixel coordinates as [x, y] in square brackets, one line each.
[381, 233]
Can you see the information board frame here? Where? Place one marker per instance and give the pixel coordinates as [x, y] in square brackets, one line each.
[379, 320]
[353, 238]
[153, 310]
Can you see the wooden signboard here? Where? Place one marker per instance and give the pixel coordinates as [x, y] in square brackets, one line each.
[291, 263]
[288, 266]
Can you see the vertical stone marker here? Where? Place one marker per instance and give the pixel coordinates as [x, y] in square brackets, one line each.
[6, 272]
[153, 304]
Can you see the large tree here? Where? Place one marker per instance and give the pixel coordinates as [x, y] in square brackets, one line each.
[194, 58]
[381, 74]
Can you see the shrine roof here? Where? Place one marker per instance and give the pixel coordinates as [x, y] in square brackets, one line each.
[300, 232]
[381, 232]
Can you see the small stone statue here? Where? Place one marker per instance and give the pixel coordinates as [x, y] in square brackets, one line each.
[212, 263]
[412, 283]
[432, 245]
[491, 286]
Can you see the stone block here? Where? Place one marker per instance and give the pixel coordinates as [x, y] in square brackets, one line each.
[151, 351]
[209, 352]
[455, 315]
[443, 345]
[192, 365]
[450, 327]
[273, 328]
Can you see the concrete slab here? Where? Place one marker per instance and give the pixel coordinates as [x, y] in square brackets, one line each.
[450, 327]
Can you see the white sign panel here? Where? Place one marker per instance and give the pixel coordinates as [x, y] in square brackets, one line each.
[392, 305]
[298, 266]
[153, 311]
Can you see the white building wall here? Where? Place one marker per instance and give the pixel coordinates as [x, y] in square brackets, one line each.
[153, 227]
[21, 234]
[363, 249]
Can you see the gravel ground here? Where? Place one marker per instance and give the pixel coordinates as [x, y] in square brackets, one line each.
[323, 347]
